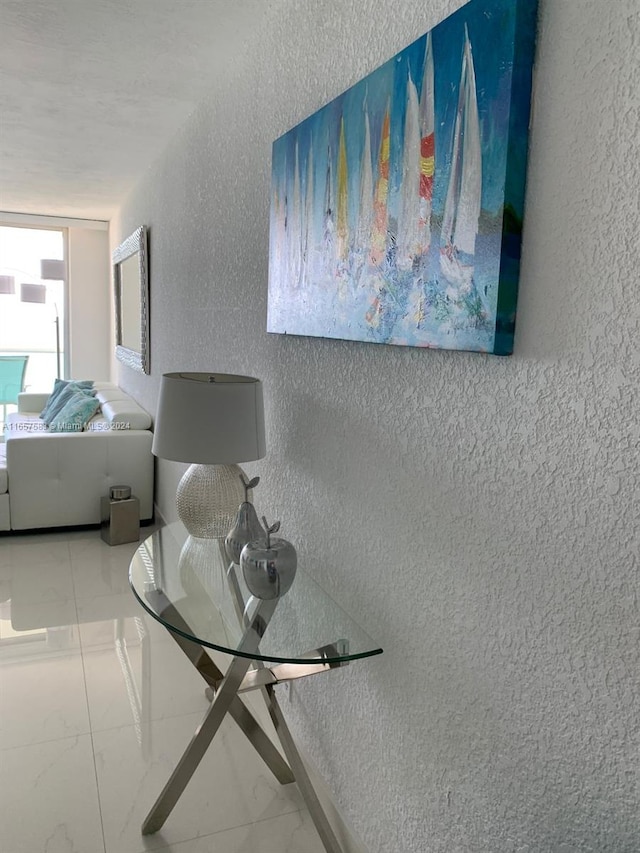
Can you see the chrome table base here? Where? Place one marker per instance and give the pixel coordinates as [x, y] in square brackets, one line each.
[225, 689]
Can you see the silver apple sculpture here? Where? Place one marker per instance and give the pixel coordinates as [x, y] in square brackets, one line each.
[246, 526]
[268, 565]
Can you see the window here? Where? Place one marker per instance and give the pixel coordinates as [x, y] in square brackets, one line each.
[32, 301]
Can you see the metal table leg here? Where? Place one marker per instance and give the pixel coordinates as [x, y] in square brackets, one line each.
[325, 831]
[205, 733]
[226, 700]
[238, 711]
[290, 672]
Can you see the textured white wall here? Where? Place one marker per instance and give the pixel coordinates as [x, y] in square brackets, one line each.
[479, 514]
[89, 303]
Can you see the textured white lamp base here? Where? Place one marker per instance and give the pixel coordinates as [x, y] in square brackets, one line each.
[208, 498]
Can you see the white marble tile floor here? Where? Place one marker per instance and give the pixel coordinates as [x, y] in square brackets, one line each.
[96, 705]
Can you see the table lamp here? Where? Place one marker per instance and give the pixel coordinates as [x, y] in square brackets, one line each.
[214, 421]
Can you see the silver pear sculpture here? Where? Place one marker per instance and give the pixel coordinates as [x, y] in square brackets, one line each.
[246, 525]
[268, 565]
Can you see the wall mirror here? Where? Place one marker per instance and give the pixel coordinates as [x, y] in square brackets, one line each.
[131, 283]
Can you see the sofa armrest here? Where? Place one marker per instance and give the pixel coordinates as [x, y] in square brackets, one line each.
[31, 401]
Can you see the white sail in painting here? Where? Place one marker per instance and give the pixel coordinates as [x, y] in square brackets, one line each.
[295, 231]
[414, 215]
[276, 231]
[365, 211]
[427, 145]
[462, 206]
[282, 247]
[343, 198]
[409, 210]
[328, 241]
[380, 232]
[307, 224]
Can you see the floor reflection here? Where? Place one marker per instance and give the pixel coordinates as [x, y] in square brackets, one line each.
[97, 703]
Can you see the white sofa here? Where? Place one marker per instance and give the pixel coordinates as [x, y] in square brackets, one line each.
[57, 479]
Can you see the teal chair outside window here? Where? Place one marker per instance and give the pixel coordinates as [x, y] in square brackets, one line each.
[13, 369]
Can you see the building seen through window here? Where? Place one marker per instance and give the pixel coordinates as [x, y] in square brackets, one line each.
[32, 302]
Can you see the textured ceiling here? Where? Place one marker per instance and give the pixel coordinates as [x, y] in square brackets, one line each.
[92, 90]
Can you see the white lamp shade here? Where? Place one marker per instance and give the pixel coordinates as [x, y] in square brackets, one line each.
[209, 418]
[51, 270]
[7, 284]
[33, 293]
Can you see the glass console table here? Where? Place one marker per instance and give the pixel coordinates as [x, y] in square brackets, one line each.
[188, 585]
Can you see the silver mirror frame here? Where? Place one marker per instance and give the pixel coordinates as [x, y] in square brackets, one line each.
[136, 243]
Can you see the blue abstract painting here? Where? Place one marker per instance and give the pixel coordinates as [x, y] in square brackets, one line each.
[397, 209]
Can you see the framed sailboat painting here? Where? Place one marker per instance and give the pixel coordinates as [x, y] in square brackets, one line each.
[397, 209]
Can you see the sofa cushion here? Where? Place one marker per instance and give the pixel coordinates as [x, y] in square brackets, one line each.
[119, 409]
[126, 412]
[107, 392]
[23, 422]
[98, 423]
[32, 401]
[76, 412]
[58, 386]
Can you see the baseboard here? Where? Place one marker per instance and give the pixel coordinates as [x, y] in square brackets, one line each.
[158, 518]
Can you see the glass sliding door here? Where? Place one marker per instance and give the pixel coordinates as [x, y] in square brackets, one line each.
[33, 301]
